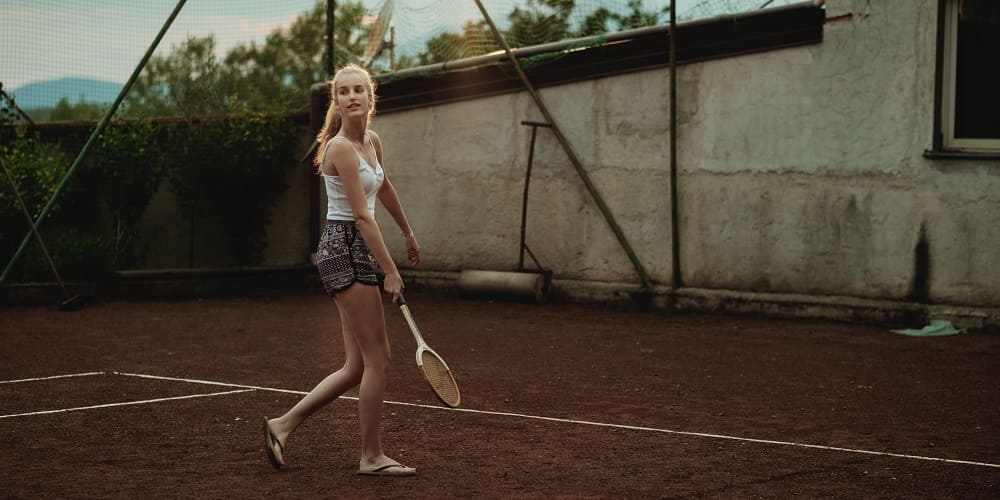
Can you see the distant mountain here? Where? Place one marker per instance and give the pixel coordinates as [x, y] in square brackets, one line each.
[46, 94]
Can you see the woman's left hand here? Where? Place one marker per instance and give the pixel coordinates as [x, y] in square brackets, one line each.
[413, 250]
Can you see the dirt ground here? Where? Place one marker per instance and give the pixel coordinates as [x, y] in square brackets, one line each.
[695, 405]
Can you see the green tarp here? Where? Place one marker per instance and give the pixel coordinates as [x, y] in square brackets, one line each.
[935, 328]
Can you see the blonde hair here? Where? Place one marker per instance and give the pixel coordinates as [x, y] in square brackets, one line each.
[333, 121]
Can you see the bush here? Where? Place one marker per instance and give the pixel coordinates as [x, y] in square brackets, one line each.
[236, 168]
[128, 166]
[36, 168]
[233, 167]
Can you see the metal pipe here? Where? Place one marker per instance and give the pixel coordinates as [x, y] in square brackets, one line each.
[524, 199]
[93, 136]
[675, 238]
[330, 20]
[608, 216]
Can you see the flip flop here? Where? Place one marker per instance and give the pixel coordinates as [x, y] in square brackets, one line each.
[397, 470]
[273, 447]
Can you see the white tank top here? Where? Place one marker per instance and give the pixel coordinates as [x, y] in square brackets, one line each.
[338, 206]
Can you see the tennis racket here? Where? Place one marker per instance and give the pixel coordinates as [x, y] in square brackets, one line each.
[435, 370]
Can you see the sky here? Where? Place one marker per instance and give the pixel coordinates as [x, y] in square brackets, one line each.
[105, 39]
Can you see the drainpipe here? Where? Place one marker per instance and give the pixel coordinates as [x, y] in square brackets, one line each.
[675, 250]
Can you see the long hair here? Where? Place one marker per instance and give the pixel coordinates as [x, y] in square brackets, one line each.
[333, 121]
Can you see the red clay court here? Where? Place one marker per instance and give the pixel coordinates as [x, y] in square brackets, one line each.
[164, 399]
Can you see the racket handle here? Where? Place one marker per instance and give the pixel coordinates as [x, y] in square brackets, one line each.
[401, 302]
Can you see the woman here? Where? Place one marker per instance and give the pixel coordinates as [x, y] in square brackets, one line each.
[350, 255]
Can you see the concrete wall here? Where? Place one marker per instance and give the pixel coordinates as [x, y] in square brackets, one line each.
[802, 182]
[801, 172]
[816, 155]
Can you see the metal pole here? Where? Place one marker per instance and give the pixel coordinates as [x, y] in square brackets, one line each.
[675, 248]
[10, 101]
[27, 215]
[93, 136]
[608, 216]
[392, 48]
[527, 182]
[330, 20]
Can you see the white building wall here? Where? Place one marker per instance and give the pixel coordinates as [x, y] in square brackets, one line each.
[801, 172]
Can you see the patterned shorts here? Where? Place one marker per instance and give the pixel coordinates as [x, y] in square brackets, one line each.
[343, 257]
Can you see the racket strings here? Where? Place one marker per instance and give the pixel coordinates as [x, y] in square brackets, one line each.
[440, 378]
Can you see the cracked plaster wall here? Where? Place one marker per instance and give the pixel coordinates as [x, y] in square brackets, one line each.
[801, 171]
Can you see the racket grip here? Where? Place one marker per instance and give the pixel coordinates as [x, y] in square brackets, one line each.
[401, 302]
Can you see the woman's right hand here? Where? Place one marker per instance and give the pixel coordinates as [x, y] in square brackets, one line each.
[393, 286]
[412, 250]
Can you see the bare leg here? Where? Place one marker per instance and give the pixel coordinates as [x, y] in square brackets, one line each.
[363, 305]
[329, 389]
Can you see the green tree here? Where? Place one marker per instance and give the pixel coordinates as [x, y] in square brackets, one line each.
[289, 62]
[476, 39]
[81, 111]
[537, 22]
[541, 21]
[192, 80]
[595, 23]
[189, 81]
[638, 18]
[408, 61]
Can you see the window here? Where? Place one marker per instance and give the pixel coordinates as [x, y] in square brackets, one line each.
[970, 80]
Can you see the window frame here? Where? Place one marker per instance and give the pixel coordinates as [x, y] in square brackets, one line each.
[947, 71]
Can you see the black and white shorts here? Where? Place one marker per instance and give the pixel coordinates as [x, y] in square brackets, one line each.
[343, 257]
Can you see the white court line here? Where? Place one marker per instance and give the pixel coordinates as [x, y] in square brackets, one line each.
[600, 424]
[224, 384]
[110, 405]
[51, 378]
